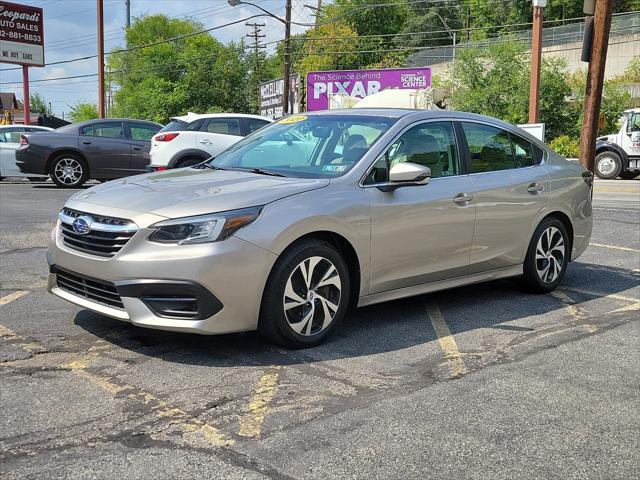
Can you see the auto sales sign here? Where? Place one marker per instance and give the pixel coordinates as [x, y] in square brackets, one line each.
[361, 83]
[21, 34]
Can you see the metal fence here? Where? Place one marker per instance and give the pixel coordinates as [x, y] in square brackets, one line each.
[622, 24]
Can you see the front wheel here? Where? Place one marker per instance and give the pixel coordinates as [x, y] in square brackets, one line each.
[608, 165]
[306, 296]
[547, 257]
[69, 171]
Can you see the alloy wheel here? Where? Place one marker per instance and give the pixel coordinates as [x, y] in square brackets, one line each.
[550, 255]
[312, 296]
[68, 171]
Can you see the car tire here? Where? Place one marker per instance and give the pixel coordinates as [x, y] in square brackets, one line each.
[189, 162]
[69, 171]
[296, 313]
[547, 257]
[608, 165]
[629, 175]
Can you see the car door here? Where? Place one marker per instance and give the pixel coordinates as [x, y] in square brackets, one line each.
[421, 234]
[217, 134]
[9, 143]
[107, 149]
[140, 134]
[512, 187]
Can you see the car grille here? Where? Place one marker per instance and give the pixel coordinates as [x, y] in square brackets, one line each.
[107, 235]
[90, 288]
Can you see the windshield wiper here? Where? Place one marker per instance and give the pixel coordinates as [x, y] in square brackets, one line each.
[260, 171]
[209, 166]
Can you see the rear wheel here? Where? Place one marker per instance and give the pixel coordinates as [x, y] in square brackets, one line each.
[306, 296]
[608, 165]
[69, 171]
[547, 257]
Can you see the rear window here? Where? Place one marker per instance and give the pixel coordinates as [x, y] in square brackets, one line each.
[180, 126]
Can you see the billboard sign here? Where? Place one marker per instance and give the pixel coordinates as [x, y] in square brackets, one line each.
[271, 97]
[21, 34]
[361, 83]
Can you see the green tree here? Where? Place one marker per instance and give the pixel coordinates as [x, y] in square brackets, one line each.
[81, 112]
[197, 73]
[38, 104]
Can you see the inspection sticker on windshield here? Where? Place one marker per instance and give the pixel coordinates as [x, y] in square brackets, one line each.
[334, 168]
[293, 119]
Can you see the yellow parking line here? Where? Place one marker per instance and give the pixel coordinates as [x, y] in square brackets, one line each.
[614, 296]
[446, 340]
[158, 407]
[574, 310]
[629, 308]
[13, 296]
[615, 247]
[251, 423]
[20, 342]
[615, 190]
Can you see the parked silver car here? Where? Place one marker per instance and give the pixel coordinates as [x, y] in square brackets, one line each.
[318, 212]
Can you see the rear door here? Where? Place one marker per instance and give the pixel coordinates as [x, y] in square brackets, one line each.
[106, 148]
[218, 133]
[512, 187]
[140, 135]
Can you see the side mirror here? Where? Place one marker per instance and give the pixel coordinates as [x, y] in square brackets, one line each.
[406, 174]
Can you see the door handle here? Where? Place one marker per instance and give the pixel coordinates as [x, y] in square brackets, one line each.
[535, 188]
[137, 149]
[86, 143]
[463, 198]
[206, 142]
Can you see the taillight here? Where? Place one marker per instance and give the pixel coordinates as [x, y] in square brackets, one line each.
[159, 169]
[24, 140]
[166, 137]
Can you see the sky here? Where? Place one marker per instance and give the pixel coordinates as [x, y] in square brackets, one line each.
[70, 32]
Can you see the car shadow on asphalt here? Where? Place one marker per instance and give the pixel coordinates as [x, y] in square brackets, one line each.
[370, 330]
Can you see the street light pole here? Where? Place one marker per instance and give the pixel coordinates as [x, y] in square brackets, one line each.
[287, 43]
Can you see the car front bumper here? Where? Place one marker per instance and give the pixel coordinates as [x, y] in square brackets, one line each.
[225, 279]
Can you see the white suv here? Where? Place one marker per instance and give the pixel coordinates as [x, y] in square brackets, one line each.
[193, 138]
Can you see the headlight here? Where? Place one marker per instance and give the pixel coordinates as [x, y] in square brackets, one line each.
[203, 228]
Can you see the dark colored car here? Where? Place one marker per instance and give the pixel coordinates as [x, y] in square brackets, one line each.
[100, 149]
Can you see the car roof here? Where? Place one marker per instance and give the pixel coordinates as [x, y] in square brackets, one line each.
[103, 120]
[191, 116]
[19, 125]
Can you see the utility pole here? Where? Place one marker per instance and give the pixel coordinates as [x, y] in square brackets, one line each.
[256, 35]
[595, 78]
[536, 58]
[101, 109]
[128, 19]
[287, 56]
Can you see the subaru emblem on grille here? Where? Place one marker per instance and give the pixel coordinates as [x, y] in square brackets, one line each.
[82, 225]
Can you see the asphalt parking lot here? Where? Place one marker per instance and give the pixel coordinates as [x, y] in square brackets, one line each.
[477, 382]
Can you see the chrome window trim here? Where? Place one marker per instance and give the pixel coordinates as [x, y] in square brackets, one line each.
[450, 120]
[101, 227]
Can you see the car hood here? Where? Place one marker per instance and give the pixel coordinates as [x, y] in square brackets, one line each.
[186, 192]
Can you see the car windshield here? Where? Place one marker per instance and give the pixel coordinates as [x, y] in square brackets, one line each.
[321, 146]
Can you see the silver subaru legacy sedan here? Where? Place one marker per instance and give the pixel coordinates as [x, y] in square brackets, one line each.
[316, 213]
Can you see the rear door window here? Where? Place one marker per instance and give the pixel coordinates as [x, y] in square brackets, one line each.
[104, 129]
[142, 131]
[256, 124]
[490, 148]
[224, 126]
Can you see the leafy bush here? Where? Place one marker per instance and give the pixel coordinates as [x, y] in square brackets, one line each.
[566, 146]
